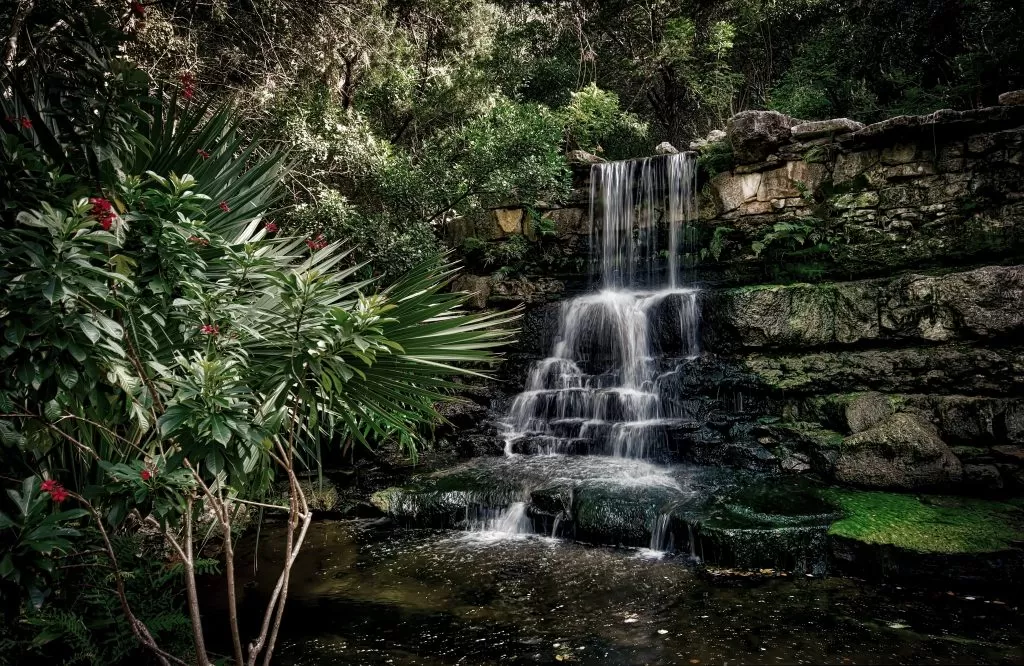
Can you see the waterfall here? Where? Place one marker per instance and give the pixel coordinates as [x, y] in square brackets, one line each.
[510, 521]
[597, 393]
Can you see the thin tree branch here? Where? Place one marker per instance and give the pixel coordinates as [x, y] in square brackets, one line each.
[17, 21]
[137, 626]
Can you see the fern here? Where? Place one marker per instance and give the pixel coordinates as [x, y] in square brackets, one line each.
[69, 628]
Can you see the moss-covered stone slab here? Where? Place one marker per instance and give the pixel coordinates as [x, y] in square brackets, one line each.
[943, 369]
[927, 523]
[982, 303]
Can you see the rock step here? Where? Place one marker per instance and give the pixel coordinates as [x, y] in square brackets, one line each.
[978, 304]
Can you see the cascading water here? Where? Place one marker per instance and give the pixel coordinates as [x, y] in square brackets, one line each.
[595, 442]
[598, 392]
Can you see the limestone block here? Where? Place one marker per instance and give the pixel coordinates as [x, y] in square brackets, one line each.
[910, 170]
[788, 180]
[900, 197]
[510, 220]
[755, 208]
[867, 199]
[456, 231]
[855, 311]
[478, 286]
[756, 134]
[850, 165]
[984, 302]
[1012, 98]
[732, 190]
[582, 157]
[819, 128]
[569, 222]
[901, 153]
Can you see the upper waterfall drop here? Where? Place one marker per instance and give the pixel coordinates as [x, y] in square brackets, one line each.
[598, 391]
[632, 203]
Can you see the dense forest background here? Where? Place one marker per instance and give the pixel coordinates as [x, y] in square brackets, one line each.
[404, 113]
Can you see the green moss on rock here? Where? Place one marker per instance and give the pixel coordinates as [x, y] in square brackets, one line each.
[935, 524]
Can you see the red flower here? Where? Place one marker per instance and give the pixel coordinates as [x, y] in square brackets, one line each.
[202, 153]
[138, 8]
[26, 123]
[225, 207]
[198, 240]
[188, 84]
[56, 491]
[146, 475]
[317, 243]
[209, 329]
[103, 211]
[271, 227]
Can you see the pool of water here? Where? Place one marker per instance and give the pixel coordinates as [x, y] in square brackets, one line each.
[363, 594]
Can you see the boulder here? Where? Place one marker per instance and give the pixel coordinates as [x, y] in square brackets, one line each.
[820, 128]
[666, 148]
[582, 157]
[757, 134]
[903, 452]
[526, 290]
[866, 410]
[714, 136]
[478, 286]
[1012, 98]
[982, 477]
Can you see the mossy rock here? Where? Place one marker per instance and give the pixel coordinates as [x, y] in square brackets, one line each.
[927, 524]
[902, 452]
[850, 412]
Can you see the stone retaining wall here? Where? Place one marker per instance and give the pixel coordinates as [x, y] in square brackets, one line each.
[862, 298]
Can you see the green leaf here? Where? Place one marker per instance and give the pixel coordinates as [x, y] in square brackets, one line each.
[68, 376]
[7, 566]
[219, 429]
[172, 419]
[52, 410]
[90, 331]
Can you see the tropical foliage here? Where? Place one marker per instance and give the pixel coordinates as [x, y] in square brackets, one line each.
[169, 352]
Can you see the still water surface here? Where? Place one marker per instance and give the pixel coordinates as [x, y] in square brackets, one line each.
[363, 595]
